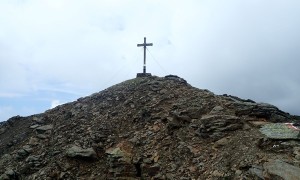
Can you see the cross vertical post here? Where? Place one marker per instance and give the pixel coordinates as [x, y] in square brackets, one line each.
[145, 44]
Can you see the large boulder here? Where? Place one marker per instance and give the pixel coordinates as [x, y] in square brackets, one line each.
[280, 131]
[78, 152]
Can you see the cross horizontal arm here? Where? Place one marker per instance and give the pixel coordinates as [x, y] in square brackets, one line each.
[147, 44]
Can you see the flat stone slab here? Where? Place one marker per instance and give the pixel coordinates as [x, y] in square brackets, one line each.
[34, 126]
[45, 128]
[280, 131]
[282, 169]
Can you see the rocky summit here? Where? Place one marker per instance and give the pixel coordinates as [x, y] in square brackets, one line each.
[153, 128]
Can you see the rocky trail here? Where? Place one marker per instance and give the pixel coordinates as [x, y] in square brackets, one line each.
[153, 128]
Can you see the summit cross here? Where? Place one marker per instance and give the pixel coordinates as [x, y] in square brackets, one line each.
[145, 46]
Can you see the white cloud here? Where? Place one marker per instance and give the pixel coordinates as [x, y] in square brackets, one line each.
[248, 49]
[55, 103]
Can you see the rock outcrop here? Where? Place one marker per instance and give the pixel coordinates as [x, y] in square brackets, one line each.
[151, 128]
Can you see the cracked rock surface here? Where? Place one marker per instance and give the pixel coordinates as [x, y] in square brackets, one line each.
[150, 128]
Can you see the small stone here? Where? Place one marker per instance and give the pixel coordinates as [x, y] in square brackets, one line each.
[62, 174]
[170, 176]
[34, 126]
[134, 140]
[42, 136]
[238, 172]
[10, 172]
[32, 158]
[6, 157]
[155, 159]
[246, 127]
[42, 129]
[27, 148]
[156, 128]
[4, 177]
[217, 110]
[115, 152]
[257, 171]
[222, 142]
[33, 141]
[38, 120]
[147, 160]
[216, 173]
[192, 169]
[55, 153]
[22, 153]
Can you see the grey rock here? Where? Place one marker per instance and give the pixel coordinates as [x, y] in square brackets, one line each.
[27, 148]
[215, 126]
[297, 150]
[32, 158]
[21, 153]
[217, 110]
[10, 172]
[178, 117]
[34, 126]
[4, 177]
[170, 176]
[38, 120]
[115, 153]
[222, 142]
[42, 129]
[42, 136]
[260, 110]
[257, 171]
[76, 151]
[33, 141]
[5, 158]
[281, 169]
[196, 112]
[280, 131]
[176, 78]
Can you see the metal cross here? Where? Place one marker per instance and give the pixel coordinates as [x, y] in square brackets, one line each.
[145, 46]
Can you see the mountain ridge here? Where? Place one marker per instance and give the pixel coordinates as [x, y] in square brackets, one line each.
[148, 128]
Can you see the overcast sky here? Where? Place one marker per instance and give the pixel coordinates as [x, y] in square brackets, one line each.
[55, 51]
